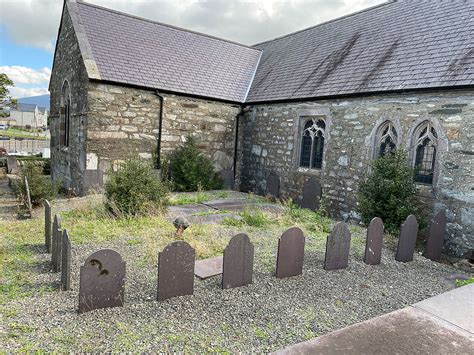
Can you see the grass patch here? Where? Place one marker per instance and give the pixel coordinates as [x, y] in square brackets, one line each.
[460, 283]
[190, 198]
[18, 134]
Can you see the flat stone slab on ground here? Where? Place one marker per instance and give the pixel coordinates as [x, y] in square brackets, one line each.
[208, 267]
[230, 205]
[211, 218]
[186, 210]
[456, 307]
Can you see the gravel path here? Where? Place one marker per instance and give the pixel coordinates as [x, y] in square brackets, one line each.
[265, 316]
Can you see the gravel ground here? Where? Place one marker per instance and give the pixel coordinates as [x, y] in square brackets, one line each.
[265, 316]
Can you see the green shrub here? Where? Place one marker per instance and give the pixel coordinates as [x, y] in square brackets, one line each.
[41, 187]
[389, 192]
[134, 190]
[191, 170]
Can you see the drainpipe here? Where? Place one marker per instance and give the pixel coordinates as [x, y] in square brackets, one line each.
[160, 125]
[241, 113]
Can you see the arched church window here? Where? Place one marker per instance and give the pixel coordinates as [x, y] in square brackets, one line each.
[65, 115]
[387, 139]
[312, 144]
[426, 141]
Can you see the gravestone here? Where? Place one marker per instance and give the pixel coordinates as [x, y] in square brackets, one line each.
[175, 271]
[93, 180]
[56, 244]
[338, 244]
[407, 239]
[290, 253]
[311, 194]
[66, 262]
[206, 268]
[102, 281]
[47, 225]
[12, 164]
[374, 242]
[273, 185]
[227, 177]
[238, 262]
[436, 233]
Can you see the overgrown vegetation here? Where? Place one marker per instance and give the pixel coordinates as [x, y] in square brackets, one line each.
[41, 187]
[389, 192]
[134, 190]
[190, 170]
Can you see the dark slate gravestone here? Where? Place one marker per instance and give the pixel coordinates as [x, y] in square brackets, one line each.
[206, 268]
[56, 244]
[338, 244]
[290, 253]
[273, 185]
[238, 262]
[407, 239]
[311, 194]
[175, 271]
[66, 262]
[12, 164]
[374, 242]
[227, 177]
[93, 180]
[102, 281]
[436, 233]
[47, 225]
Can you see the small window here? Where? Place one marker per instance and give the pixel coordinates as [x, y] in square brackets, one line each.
[312, 144]
[65, 117]
[387, 139]
[425, 153]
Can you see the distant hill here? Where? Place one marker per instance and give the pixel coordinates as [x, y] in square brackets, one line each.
[41, 101]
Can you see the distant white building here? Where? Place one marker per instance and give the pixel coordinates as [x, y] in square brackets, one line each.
[29, 116]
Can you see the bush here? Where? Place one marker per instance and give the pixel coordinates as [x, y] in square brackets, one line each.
[41, 187]
[134, 190]
[191, 170]
[389, 192]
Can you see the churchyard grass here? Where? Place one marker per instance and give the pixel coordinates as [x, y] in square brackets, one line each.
[264, 316]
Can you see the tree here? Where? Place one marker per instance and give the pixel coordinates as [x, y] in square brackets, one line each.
[389, 192]
[5, 81]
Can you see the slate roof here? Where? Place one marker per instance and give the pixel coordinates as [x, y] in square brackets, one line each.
[137, 51]
[24, 107]
[395, 46]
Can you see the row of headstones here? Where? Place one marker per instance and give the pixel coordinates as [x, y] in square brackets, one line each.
[58, 244]
[103, 274]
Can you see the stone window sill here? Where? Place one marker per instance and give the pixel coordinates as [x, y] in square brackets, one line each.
[308, 171]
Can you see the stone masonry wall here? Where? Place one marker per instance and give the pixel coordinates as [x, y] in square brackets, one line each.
[124, 123]
[68, 163]
[271, 140]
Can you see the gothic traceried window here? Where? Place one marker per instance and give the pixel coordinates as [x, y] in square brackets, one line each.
[425, 153]
[312, 144]
[387, 139]
[65, 115]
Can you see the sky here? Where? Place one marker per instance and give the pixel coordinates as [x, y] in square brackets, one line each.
[28, 28]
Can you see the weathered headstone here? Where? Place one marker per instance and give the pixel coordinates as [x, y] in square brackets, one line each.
[436, 233]
[47, 225]
[66, 262]
[12, 164]
[227, 177]
[56, 244]
[407, 239]
[93, 180]
[102, 281]
[175, 271]
[273, 185]
[374, 242]
[311, 194]
[290, 253]
[206, 268]
[238, 262]
[338, 244]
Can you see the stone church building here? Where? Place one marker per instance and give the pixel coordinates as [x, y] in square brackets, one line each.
[322, 102]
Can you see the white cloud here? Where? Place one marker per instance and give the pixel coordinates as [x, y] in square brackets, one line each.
[19, 92]
[24, 75]
[36, 22]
